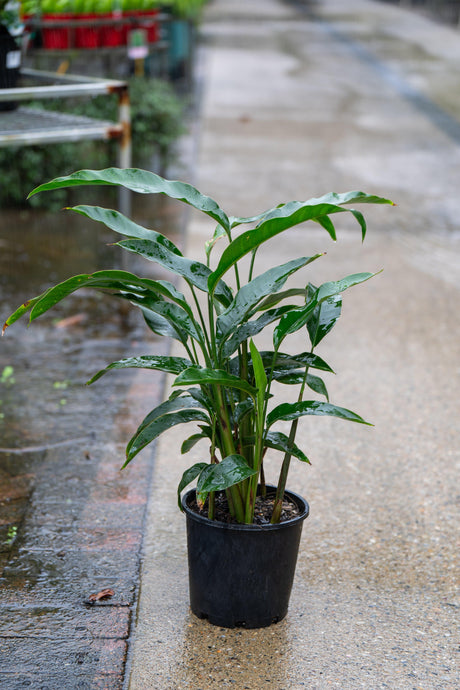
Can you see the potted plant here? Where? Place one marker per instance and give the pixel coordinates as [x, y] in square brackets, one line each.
[243, 535]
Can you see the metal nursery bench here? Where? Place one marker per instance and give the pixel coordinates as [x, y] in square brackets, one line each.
[25, 126]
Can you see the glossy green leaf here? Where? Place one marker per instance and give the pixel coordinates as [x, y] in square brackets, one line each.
[296, 377]
[315, 383]
[194, 272]
[279, 441]
[192, 440]
[100, 280]
[119, 223]
[249, 296]
[290, 411]
[197, 375]
[232, 470]
[277, 297]
[171, 365]
[324, 317]
[154, 428]
[292, 321]
[189, 475]
[242, 409]
[284, 218]
[288, 361]
[178, 317]
[252, 328]
[143, 182]
[159, 325]
[260, 378]
[335, 287]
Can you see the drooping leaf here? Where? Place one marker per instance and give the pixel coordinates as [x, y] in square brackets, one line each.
[284, 218]
[171, 365]
[143, 182]
[279, 441]
[119, 223]
[192, 440]
[180, 319]
[292, 321]
[160, 420]
[232, 470]
[324, 316]
[291, 411]
[189, 475]
[159, 325]
[194, 272]
[100, 280]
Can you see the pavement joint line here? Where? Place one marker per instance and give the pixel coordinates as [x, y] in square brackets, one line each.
[438, 116]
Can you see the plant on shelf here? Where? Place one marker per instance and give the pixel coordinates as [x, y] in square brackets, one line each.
[224, 381]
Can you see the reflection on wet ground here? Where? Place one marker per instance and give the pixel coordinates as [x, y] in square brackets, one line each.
[70, 521]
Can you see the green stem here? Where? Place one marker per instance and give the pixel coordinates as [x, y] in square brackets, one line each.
[276, 515]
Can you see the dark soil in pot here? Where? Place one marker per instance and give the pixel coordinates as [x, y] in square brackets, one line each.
[242, 575]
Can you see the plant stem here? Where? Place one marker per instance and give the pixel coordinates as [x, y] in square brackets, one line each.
[276, 515]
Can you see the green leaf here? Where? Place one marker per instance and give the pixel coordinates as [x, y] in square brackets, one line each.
[252, 328]
[279, 441]
[197, 375]
[324, 317]
[242, 409]
[232, 470]
[192, 440]
[260, 378]
[273, 300]
[119, 223]
[317, 384]
[248, 297]
[100, 280]
[292, 321]
[296, 377]
[305, 359]
[159, 325]
[171, 365]
[189, 475]
[173, 313]
[194, 272]
[335, 287]
[143, 182]
[160, 420]
[290, 411]
[284, 218]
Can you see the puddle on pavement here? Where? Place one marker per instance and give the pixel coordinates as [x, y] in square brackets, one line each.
[44, 401]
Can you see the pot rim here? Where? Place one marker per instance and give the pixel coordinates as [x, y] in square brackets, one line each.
[299, 500]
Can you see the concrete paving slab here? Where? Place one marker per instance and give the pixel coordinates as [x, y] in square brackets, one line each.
[296, 105]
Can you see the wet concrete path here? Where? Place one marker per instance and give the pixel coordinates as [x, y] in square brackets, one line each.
[356, 95]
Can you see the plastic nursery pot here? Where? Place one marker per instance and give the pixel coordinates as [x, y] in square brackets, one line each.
[241, 575]
[87, 36]
[56, 37]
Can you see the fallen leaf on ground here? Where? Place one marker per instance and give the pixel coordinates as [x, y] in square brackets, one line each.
[103, 594]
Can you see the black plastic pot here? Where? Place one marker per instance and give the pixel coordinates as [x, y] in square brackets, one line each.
[241, 575]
